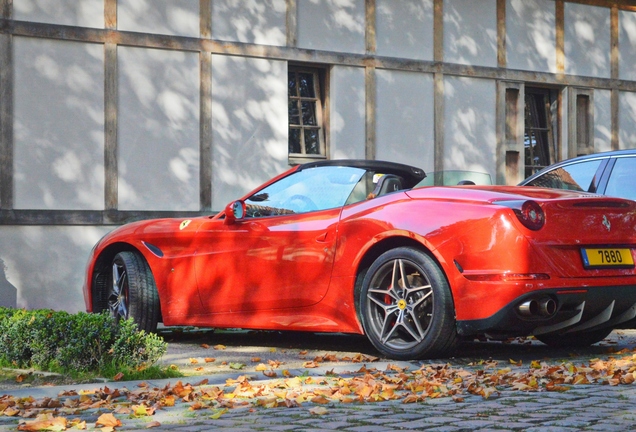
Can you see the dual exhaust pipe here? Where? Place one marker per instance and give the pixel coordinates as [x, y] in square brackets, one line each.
[543, 307]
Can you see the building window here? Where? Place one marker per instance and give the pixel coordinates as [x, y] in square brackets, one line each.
[539, 142]
[581, 122]
[306, 132]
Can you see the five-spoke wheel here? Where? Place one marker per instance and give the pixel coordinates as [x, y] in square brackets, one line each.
[132, 292]
[406, 306]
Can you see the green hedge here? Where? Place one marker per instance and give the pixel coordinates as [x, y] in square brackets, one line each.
[82, 342]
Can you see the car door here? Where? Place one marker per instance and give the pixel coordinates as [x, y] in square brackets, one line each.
[281, 254]
[265, 263]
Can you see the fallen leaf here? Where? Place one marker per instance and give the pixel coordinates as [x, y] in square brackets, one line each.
[118, 377]
[217, 414]
[219, 347]
[209, 359]
[318, 411]
[237, 366]
[153, 424]
[206, 346]
[107, 420]
[46, 422]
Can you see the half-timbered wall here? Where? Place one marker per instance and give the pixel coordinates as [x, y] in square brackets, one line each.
[115, 110]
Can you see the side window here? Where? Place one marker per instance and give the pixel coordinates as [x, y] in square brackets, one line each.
[621, 182]
[579, 177]
[305, 191]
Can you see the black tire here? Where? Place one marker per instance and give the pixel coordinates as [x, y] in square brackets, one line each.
[574, 340]
[415, 321]
[132, 292]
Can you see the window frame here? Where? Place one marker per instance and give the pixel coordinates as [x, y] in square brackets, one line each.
[320, 100]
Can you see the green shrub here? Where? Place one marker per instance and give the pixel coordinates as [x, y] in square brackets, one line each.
[81, 342]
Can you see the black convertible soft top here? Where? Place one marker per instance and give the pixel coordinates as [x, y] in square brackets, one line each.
[410, 174]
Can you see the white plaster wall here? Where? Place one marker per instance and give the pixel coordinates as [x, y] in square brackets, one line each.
[469, 125]
[404, 118]
[587, 40]
[58, 124]
[170, 17]
[347, 113]
[260, 22]
[158, 129]
[531, 35]
[43, 266]
[627, 45]
[602, 120]
[249, 125]
[84, 13]
[332, 25]
[404, 28]
[470, 32]
[627, 120]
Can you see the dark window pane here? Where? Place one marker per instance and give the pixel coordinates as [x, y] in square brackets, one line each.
[309, 113]
[294, 116]
[306, 85]
[292, 84]
[294, 140]
[312, 146]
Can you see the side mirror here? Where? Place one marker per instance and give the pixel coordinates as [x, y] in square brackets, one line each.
[234, 211]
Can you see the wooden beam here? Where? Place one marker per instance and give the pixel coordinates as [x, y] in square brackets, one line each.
[111, 89]
[292, 23]
[438, 121]
[205, 19]
[560, 36]
[370, 112]
[370, 35]
[438, 30]
[205, 132]
[87, 217]
[146, 40]
[615, 119]
[6, 122]
[110, 14]
[614, 33]
[501, 33]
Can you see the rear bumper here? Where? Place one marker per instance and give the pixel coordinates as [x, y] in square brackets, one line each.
[577, 310]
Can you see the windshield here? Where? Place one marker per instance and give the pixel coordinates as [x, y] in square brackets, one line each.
[308, 190]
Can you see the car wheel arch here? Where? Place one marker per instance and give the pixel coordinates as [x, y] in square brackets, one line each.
[102, 269]
[373, 253]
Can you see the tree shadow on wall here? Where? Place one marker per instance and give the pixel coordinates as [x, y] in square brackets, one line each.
[8, 293]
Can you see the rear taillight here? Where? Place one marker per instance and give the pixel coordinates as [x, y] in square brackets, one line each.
[529, 213]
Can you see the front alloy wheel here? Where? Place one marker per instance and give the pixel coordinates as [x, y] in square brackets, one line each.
[406, 306]
[132, 292]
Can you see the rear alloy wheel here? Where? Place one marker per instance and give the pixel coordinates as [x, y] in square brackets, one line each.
[406, 306]
[132, 292]
[574, 340]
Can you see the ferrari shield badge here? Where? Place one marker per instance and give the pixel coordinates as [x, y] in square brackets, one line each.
[184, 224]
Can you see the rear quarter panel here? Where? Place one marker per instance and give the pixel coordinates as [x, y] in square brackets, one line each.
[479, 237]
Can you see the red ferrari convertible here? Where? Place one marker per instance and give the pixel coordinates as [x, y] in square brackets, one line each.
[358, 247]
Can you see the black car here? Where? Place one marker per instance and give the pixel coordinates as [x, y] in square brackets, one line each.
[609, 173]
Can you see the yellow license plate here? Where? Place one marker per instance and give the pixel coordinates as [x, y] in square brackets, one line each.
[607, 257]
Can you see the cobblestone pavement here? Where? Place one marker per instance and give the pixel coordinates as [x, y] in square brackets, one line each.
[580, 407]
